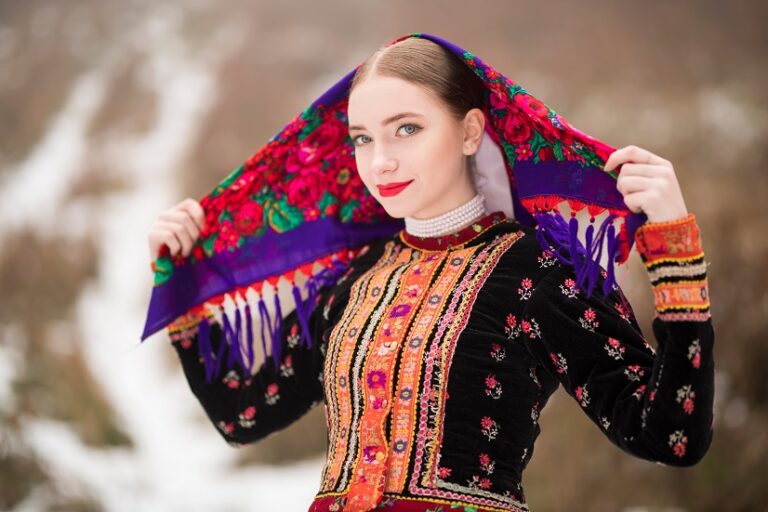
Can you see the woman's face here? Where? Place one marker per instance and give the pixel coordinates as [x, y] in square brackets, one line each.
[404, 134]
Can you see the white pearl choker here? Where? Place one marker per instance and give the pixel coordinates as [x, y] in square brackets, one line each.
[450, 221]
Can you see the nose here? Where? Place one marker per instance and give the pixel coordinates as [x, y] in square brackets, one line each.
[382, 162]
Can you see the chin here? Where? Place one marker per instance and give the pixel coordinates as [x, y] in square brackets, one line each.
[396, 211]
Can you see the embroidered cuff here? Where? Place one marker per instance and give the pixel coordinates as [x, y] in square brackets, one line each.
[672, 254]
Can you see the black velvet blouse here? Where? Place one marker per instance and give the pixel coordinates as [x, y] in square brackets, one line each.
[434, 357]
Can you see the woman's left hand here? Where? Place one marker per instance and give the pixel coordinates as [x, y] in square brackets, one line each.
[648, 184]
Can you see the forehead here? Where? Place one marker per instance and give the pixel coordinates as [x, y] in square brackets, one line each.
[378, 97]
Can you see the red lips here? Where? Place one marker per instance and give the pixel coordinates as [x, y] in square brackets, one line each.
[392, 189]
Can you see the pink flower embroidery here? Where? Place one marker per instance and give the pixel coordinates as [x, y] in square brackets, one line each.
[678, 440]
[497, 352]
[511, 329]
[582, 395]
[271, 396]
[232, 379]
[686, 397]
[526, 288]
[569, 288]
[286, 367]
[489, 427]
[589, 320]
[531, 328]
[492, 387]
[614, 348]
[547, 259]
[486, 464]
[634, 372]
[561, 365]
[694, 353]
[246, 417]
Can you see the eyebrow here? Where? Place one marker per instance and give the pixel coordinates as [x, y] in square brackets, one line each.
[390, 119]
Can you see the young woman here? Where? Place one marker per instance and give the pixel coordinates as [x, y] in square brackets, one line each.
[438, 346]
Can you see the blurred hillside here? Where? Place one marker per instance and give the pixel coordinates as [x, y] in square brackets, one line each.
[111, 112]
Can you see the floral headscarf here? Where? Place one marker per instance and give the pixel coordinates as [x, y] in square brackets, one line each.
[298, 203]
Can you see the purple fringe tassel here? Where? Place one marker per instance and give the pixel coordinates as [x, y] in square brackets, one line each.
[561, 237]
[235, 341]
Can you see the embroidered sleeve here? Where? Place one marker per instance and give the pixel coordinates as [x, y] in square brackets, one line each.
[248, 407]
[672, 254]
[656, 404]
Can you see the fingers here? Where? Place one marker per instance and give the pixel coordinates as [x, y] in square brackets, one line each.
[181, 217]
[178, 228]
[159, 236]
[194, 210]
[181, 239]
[635, 200]
[634, 154]
[628, 184]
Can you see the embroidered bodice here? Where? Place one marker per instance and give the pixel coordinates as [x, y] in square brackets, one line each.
[436, 355]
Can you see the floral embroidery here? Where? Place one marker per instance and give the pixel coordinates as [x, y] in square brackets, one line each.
[492, 387]
[634, 372]
[526, 288]
[614, 348]
[511, 329]
[497, 352]
[582, 395]
[561, 365]
[286, 367]
[486, 464]
[531, 328]
[376, 379]
[477, 482]
[232, 379]
[547, 259]
[639, 392]
[589, 320]
[443, 472]
[271, 396]
[245, 418]
[386, 347]
[293, 337]
[569, 288]
[623, 310]
[604, 422]
[685, 397]
[678, 440]
[226, 426]
[694, 353]
[489, 427]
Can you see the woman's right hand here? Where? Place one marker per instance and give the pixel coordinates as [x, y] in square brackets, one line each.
[178, 228]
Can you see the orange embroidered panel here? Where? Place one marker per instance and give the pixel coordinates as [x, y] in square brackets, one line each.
[682, 295]
[392, 349]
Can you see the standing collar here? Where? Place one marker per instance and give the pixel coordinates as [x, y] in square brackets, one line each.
[456, 238]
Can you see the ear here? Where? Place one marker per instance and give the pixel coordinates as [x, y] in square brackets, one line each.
[474, 127]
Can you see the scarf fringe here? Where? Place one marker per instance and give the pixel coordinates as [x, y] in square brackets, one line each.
[236, 349]
[562, 239]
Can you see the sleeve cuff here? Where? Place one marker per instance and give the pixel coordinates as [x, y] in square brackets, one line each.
[672, 254]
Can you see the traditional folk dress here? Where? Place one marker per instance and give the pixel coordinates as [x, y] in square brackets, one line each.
[434, 358]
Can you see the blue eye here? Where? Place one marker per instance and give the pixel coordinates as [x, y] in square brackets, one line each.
[415, 126]
[354, 139]
[412, 125]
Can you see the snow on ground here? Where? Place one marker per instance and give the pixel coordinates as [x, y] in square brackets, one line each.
[178, 463]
